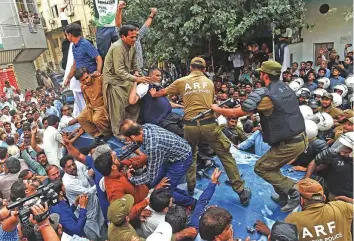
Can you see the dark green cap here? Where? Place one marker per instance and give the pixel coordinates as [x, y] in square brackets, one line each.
[270, 67]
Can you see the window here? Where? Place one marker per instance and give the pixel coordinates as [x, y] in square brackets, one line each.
[329, 46]
[55, 11]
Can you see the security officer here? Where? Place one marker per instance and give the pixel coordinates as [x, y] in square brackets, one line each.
[326, 106]
[198, 95]
[338, 160]
[283, 129]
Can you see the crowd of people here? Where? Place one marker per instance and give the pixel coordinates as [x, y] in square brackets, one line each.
[52, 190]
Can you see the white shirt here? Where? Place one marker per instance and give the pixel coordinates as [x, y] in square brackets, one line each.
[34, 100]
[52, 143]
[9, 91]
[76, 185]
[142, 89]
[74, 83]
[5, 118]
[237, 60]
[288, 33]
[151, 223]
[64, 121]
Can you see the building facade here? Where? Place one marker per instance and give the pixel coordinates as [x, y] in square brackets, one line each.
[22, 39]
[50, 10]
[331, 30]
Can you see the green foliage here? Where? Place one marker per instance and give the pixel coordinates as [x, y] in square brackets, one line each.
[184, 28]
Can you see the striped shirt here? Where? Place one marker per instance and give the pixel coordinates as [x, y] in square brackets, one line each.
[160, 146]
[85, 55]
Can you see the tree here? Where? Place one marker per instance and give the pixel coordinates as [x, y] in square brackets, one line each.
[186, 28]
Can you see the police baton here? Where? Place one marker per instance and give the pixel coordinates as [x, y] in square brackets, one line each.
[204, 113]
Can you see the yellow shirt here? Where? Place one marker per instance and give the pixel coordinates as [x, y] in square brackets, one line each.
[197, 92]
[324, 222]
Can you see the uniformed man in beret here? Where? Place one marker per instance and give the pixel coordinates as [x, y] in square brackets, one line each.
[198, 95]
[283, 129]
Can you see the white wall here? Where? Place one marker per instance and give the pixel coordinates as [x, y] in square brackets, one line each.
[296, 51]
[329, 27]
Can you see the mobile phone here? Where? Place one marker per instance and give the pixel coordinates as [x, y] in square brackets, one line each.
[330, 49]
[349, 45]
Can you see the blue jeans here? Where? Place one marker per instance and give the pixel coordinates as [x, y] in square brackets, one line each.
[105, 36]
[279, 52]
[175, 172]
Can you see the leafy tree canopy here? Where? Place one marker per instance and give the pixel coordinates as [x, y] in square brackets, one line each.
[183, 28]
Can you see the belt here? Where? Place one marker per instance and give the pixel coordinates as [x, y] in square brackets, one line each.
[292, 140]
[201, 122]
[295, 139]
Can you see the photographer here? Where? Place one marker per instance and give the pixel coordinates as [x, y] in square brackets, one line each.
[70, 223]
[40, 217]
[9, 221]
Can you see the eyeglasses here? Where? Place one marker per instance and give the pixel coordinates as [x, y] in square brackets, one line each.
[66, 109]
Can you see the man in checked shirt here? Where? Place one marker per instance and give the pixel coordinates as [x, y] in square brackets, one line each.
[168, 156]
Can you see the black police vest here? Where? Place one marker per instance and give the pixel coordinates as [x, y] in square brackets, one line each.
[340, 177]
[286, 120]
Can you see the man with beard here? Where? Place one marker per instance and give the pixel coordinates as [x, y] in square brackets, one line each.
[283, 129]
[303, 98]
[326, 106]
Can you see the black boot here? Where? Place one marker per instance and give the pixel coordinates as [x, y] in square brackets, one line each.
[245, 196]
[293, 201]
[190, 191]
[97, 141]
[106, 138]
[281, 199]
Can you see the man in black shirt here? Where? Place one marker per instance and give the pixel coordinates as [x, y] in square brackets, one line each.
[65, 45]
[338, 159]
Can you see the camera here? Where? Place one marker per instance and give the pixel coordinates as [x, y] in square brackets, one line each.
[45, 194]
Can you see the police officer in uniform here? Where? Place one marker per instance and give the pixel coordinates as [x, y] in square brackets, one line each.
[283, 129]
[198, 95]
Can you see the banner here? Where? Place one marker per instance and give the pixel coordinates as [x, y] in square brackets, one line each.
[105, 12]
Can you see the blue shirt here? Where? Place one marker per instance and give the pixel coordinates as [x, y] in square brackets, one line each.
[255, 139]
[102, 196]
[311, 86]
[71, 224]
[328, 73]
[85, 55]
[335, 82]
[200, 205]
[153, 110]
[9, 236]
[52, 111]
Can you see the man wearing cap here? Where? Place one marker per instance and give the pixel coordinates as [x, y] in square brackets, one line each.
[283, 129]
[198, 95]
[119, 228]
[347, 126]
[326, 106]
[320, 221]
[313, 105]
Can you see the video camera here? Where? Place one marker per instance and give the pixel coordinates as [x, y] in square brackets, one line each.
[44, 194]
